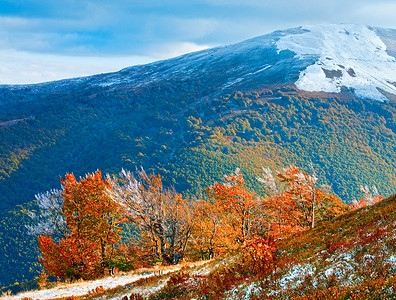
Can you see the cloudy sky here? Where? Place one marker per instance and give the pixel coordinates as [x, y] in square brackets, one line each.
[43, 40]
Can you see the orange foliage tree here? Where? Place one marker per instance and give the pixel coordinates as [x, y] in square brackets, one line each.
[369, 198]
[212, 233]
[301, 203]
[237, 205]
[92, 220]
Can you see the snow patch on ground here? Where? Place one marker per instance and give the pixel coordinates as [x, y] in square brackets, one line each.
[352, 56]
[82, 288]
[232, 82]
[296, 276]
[260, 70]
[248, 291]
[146, 291]
[392, 259]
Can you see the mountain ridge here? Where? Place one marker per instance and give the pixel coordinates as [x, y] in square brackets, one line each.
[190, 129]
[300, 53]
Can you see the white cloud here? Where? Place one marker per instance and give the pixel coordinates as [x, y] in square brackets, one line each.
[15, 23]
[155, 29]
[17, 67]
[169, 50]
[378, 14]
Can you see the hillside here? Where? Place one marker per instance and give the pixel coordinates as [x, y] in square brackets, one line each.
[197, 117]
[350, 257]
[353, 145]
[145, 115]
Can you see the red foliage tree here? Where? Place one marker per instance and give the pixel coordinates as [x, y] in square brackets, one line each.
[301, 203]
[237, 204]
[259, 254]
[369, 198]
[92, 220]
[70, 259]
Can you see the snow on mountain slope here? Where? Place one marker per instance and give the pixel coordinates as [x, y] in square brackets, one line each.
[352, 56]
[237, 65]
[320, 58]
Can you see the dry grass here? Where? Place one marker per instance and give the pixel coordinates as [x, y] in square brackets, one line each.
[350, 257]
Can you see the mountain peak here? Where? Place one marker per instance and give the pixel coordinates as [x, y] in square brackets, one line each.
[321, 58]
[352, 56]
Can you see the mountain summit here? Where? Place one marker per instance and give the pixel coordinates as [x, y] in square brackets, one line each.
[320, 58]
[356, 57]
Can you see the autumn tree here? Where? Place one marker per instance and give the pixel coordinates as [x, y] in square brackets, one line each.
[302, 202]
[273, 205]
[93, 228]
[71, 258]
[179, 223]
[212, 233]
[370, 197]
[259, 255]
[303, 195]
[48, 220]
[163, 218]
[236, 203]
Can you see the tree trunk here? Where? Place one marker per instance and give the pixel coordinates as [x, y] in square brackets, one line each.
[313, 209]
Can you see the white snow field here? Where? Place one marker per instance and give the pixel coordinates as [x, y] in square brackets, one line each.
[353, 56]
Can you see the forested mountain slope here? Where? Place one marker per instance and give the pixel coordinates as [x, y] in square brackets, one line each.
[199, 116]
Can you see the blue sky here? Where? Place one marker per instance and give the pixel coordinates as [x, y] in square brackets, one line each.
[42, 40]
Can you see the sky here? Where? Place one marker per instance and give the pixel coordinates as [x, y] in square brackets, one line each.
[45, 40]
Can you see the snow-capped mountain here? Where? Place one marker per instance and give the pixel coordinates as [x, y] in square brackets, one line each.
[321, 58]
[351, 56]
[198, 116]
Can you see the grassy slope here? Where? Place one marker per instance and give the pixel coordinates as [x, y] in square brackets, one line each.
[350, 257]
[357, 250]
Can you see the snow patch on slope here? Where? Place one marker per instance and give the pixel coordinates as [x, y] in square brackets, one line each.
[352, 56]
[84, 287]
